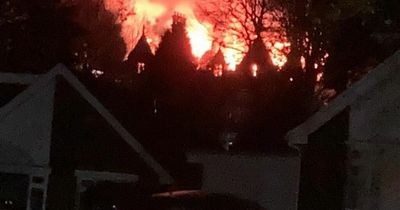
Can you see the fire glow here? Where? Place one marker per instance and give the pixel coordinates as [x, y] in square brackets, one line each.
[156, 17]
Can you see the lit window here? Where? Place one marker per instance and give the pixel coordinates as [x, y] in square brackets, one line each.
[155, 110]
[254, 70]
[140, 67]
[218, 70]
[219, 67]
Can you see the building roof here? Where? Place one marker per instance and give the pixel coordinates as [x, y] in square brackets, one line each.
[38, 82]
[299, 135]
[218, 58]
[142, 50]
[258, 54]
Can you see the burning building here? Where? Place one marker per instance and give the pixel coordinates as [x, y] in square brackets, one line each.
[204, 31]
[217, 64]
[256, 60]
[140, 57]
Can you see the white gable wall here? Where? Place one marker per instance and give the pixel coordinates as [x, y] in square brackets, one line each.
[374, 143]
[373, 180]
[25, 132]
[377, 113]
[26, 121]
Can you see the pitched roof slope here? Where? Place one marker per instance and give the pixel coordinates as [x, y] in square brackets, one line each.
[384, 70]
[39, 81]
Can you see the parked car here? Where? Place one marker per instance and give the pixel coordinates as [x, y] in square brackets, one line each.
[197, 200]
[181, 200]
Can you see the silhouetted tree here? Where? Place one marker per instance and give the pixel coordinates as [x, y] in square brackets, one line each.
[246, 19]
[342, 28]
[34, 35]
[354, 50]
[173, 95]
[101, 45]
[365, 34]
[173, 68]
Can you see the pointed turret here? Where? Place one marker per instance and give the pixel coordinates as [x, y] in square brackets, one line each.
[257, 59]
[218, 59]
[141, 55]
[217, 64]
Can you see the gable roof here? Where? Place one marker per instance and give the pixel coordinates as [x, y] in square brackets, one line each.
[142, 50]
[218, 58]
[256, 54]
[37, 82]
[299, 135]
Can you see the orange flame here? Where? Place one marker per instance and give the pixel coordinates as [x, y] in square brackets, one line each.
[199, 33]
[156, 16]
[278, 53]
